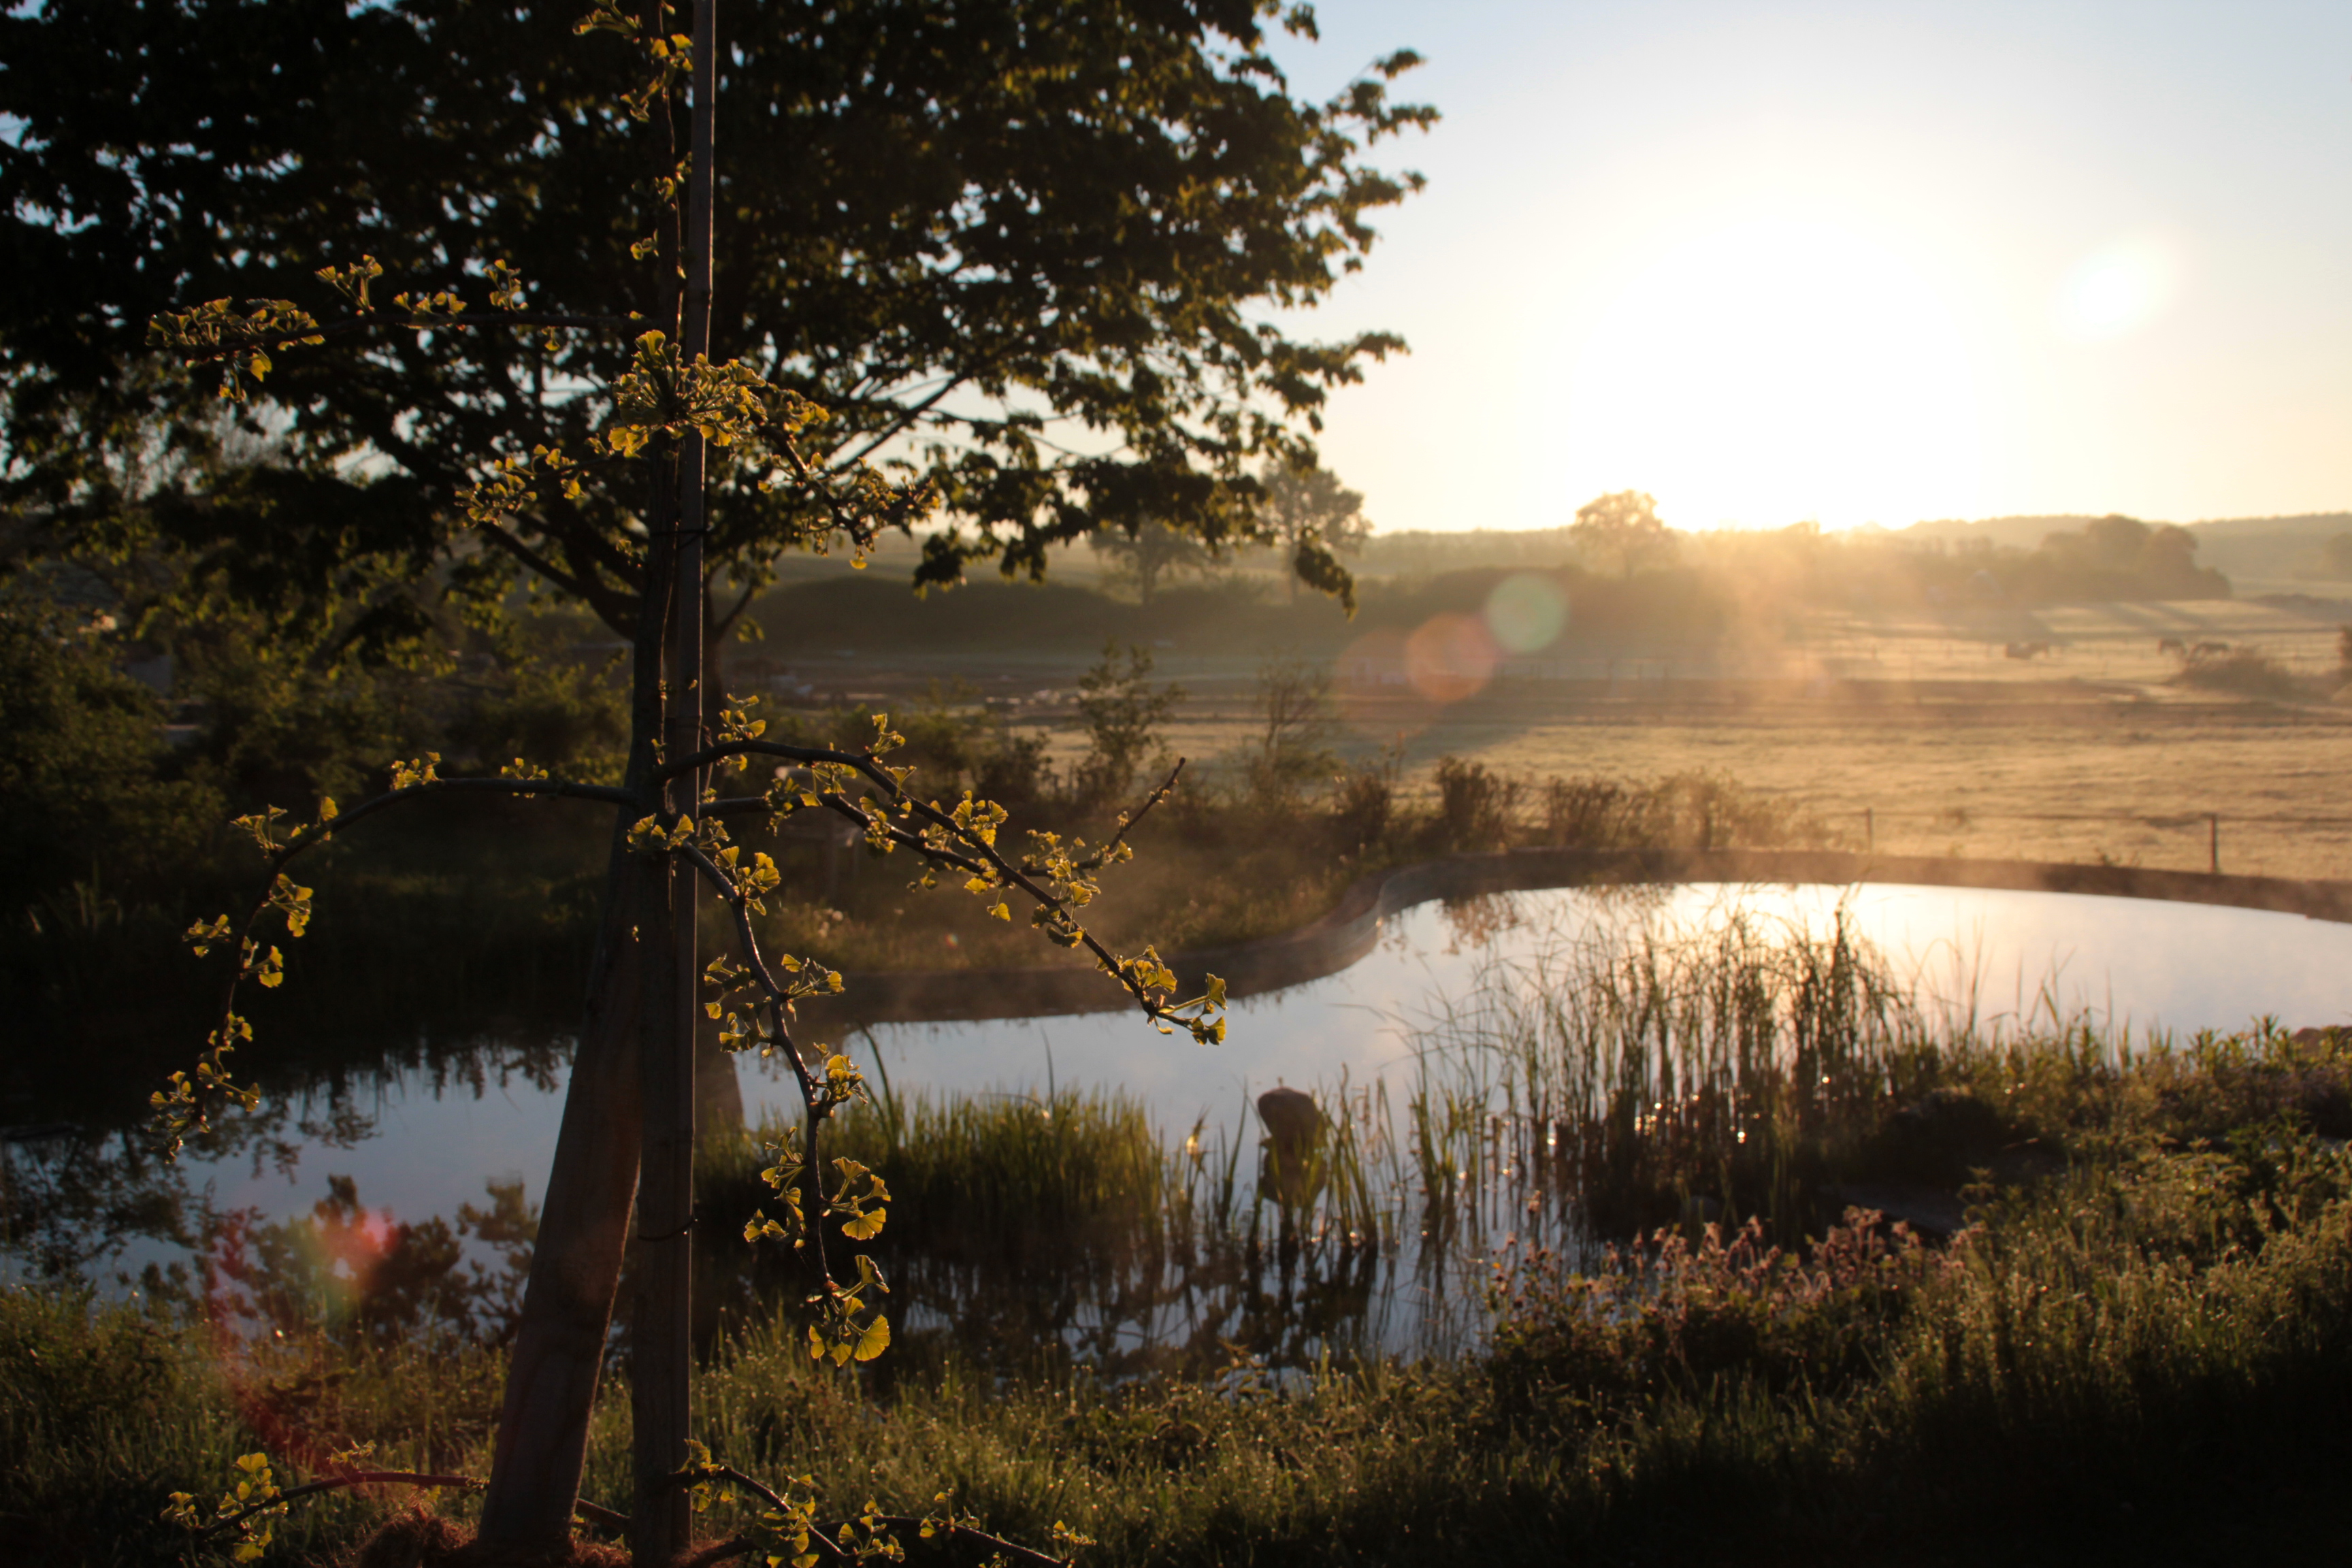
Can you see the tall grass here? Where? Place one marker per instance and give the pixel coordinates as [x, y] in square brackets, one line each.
[1624, 1073]
[1039, 1232]
[2117, 1365]
[107, 1409]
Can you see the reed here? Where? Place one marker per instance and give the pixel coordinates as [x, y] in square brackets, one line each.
[1628, 1074]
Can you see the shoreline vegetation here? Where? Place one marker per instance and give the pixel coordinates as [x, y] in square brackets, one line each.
[1649, 1173]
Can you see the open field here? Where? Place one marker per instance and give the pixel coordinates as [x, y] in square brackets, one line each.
[1909, 735]
[2059, 776]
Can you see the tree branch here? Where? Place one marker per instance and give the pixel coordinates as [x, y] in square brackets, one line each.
[1012, 1550]
[604, 1516]
[978, 854]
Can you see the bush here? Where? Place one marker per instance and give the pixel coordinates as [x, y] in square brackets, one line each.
[88, 788]
[1474, 804]
[1293, 752]
[1680, 811]
[1125, 718]
[2242, 670]
[1364, 802]
[1665, 1316]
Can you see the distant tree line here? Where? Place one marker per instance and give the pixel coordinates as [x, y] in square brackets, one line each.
[2115, 557]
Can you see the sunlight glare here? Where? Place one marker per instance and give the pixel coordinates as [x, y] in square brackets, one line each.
[1774, 372]
[2117, 289]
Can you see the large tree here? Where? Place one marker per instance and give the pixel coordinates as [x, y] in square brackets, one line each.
[1021, 246]
[968, 227]
[1308, 510]
[1622, 526]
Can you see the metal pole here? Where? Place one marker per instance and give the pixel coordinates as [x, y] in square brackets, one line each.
[2213, 842]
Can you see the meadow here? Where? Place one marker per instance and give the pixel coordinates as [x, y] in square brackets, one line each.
[1916, 733]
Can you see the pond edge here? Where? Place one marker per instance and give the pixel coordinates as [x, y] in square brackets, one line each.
[1337, 939]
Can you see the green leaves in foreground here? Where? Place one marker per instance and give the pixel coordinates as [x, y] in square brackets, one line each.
[251, 1507]
[849, 1326]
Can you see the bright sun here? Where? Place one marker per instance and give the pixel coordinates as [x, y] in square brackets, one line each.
[1774, 373]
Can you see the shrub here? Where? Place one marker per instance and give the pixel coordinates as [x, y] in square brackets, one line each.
[1125, 717]
[85, 780]
[1582, 813]
[1292, 752]
[2242, 670]
[1364, 801]
[1474, 804]
[1666, 1315]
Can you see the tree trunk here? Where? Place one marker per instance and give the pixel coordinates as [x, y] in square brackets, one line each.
[583, 1225]
[662, 1346]
[629, 1110]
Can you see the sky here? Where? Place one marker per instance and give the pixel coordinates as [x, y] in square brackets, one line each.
[1854, 263]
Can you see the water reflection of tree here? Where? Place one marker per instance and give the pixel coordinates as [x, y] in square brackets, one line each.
[1055, 1237]
[363, 1277]
[76, 1199]
[430, 972]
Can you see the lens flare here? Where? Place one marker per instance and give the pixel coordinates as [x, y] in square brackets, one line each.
[1450, 658]
[1527, 612]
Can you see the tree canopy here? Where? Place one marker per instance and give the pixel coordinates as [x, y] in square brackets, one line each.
[1308, 509]
[1018, 249]
[1622, 526]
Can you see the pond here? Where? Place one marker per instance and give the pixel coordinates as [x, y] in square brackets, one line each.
[1992, 962]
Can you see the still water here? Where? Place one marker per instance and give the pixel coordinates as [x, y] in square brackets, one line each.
[2000, 960]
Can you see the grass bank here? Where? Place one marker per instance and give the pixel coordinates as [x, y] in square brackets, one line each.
[2139, 1346]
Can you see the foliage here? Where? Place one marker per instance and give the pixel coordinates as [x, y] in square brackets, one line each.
[1622, 527]
[1308, 508]
[1364, 801]
[944, 235]
[2120, 1354]
[364, 1278]
[2241, 669]
[1679, 811]
[2156, 1306]
[661, 422]
[2118, 557]
[1124, 715]
[2335, 558]
[959, 742]
[1291, 755]
[1668, 1314]
[1149, 553]
[88, 787]
[1475, 804]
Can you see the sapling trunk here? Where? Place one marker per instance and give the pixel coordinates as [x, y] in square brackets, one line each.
[583, 1225]
[661, 1363]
